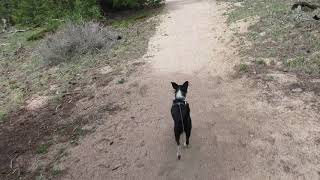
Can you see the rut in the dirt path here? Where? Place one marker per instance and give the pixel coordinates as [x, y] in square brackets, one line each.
[232, 137]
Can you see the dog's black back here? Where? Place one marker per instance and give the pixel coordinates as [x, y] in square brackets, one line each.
[182, 120]
[180, 112]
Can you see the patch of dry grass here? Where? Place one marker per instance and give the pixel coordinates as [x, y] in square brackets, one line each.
[290, 37]
[76, 40]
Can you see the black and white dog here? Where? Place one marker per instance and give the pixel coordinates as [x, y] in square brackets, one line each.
[180, 112]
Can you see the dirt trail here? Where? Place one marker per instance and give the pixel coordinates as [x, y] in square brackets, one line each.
[234, 136]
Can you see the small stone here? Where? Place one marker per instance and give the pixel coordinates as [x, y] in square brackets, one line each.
[106, 70]
[297, 90]
[37, 102]
[87, 128]
[77, 89]
[238, 4]
[262, 34]
[53, 87]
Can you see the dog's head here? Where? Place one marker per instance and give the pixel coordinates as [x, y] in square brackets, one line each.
[180, 90]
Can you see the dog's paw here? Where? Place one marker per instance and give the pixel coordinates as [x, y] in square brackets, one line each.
[185, 145]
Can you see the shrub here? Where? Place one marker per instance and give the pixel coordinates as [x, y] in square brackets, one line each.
[75, 40]
[38, 12]
[128, 4]
[49, 28]
[3, 115]
[42, 149]
[243, 68]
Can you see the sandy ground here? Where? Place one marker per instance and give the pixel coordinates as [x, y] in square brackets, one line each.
[235, 135]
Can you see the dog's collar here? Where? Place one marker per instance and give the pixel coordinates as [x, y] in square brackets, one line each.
[180, 101]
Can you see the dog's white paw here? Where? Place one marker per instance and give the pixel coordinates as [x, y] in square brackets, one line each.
[185, 145]
[178, 153]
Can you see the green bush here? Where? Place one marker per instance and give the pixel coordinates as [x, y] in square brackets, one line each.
[243, 67]
[128, 4]
[3, 116]
[51, 27]
[39, 12]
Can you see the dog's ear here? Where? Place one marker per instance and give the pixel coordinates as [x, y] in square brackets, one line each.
[174, 85]
[185, 85]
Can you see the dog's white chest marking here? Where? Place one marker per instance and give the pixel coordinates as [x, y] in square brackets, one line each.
[179, 95]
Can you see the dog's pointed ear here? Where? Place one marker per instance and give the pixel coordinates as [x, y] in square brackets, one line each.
[185, 85]
[174, 85]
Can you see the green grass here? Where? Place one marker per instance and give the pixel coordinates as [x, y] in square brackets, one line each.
[121, 81]
[297, 62]
[42, 148]
[279, 35]
[3, 116]
[127, 21]
[243, 68]
[252, 8]
[27, 75]
[77, 134]
[49, 28]
[302, 64]
[56, 172]
[260, 62]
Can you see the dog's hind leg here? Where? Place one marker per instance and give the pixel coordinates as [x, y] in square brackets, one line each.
[188, 133]
[177, 135]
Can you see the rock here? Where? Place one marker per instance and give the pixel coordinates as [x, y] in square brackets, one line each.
[106, 70]
[296, 90]
[53, 87]
[262, 34]
[238, 4]
[87, 128]
[77, 89]
[37, 102]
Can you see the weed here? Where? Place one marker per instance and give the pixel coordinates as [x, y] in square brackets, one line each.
[121, 81]
[3, 116]
[50, 28]
[124, 23]
[243, 67]
[295, 63]
[77, 133]
[42, 149]
[268, 78]
[40, 177]
[61, 153]
[260, 62]
[56, 172]
[279, 34]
